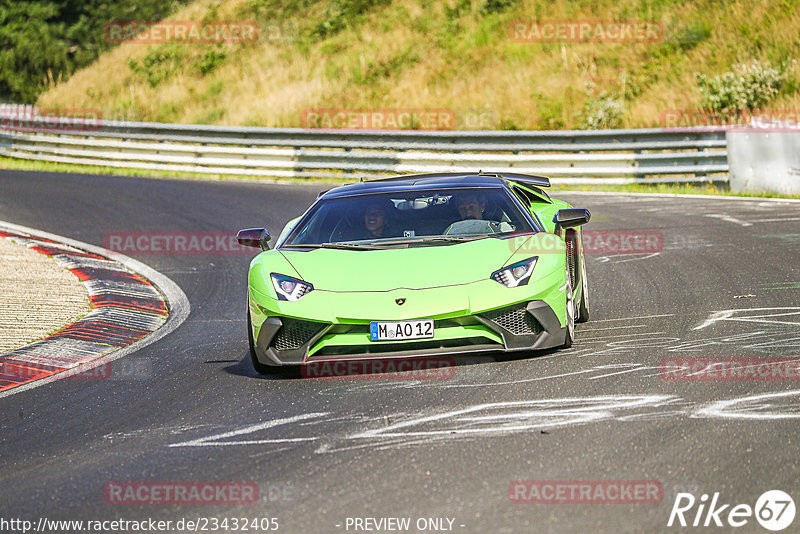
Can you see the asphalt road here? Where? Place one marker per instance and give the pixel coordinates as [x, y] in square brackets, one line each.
[190, 407]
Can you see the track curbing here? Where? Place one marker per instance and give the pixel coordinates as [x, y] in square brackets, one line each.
[133, 306]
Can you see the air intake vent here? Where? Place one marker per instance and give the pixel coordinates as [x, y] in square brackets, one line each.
[515, 319]
[295, 333]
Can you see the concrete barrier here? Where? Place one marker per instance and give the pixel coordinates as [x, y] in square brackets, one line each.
[765, 159]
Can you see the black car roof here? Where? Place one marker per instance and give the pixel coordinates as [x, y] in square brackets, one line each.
[411, 182]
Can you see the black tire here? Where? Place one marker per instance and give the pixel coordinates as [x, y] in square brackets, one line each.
[583, 309]
[583, 313]
[576, 270]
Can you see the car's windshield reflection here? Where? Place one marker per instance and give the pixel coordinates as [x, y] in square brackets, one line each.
[403, 219]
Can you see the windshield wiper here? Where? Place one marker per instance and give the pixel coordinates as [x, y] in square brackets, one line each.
[383, 244]
[435, 239]
[341, 246]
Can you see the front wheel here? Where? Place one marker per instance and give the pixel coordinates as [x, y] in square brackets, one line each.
[583, 309]
[575, 260]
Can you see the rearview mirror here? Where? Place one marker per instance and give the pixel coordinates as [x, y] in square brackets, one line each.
[254, 237]
[570, 218]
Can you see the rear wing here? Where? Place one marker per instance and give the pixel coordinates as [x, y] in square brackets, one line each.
[529, 182]
[525, 179]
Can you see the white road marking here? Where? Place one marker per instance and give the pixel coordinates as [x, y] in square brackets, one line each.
[637, 368]
[631, 318]
[510, 417]
[753, 407]
[216, 440]
[627, 257]
[730, 315]
[614, 328]
[503, 418]
[619, 336]
[781, 219]
[727, 218]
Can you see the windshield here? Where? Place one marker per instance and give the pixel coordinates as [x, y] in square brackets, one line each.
[416, 218]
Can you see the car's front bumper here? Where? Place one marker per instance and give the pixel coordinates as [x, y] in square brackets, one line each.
[467, 318]
[523, 326]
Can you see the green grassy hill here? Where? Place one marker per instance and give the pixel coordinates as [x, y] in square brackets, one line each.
[460, 56]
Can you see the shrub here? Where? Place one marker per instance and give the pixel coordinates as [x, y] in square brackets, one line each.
[211, 59]
[159, 64]
[495, 6]
[604, 112]
[689, 36]
[748, 87]
[340, 14]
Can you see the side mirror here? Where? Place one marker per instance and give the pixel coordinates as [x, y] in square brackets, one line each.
[254, 237]
[570, 218]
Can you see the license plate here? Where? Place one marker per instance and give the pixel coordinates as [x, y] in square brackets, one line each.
[400, 330]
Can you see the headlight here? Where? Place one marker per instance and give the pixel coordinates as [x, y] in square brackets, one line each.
[289, 288]
[517, 274]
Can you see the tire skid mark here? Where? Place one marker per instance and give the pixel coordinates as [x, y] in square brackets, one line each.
[125, 307]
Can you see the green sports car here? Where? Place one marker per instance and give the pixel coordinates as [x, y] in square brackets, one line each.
[415, 266]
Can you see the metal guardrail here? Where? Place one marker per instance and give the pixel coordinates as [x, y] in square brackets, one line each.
[577, 156]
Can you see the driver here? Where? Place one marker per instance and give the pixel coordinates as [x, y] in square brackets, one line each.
[471, 206]
[376, 219]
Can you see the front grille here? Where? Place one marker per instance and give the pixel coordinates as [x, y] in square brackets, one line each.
[294, 333]
[384, 347]
[402, 346]
[437, 323]
[515, 319]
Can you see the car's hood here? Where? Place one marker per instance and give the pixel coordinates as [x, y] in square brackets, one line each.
[407, 268]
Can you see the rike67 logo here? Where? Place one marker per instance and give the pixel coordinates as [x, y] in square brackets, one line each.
[774, 510]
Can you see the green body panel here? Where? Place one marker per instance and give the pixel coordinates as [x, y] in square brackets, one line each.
[413, 268]
[357, 307]
[546, 212]
[352, 305]
[419, 267]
